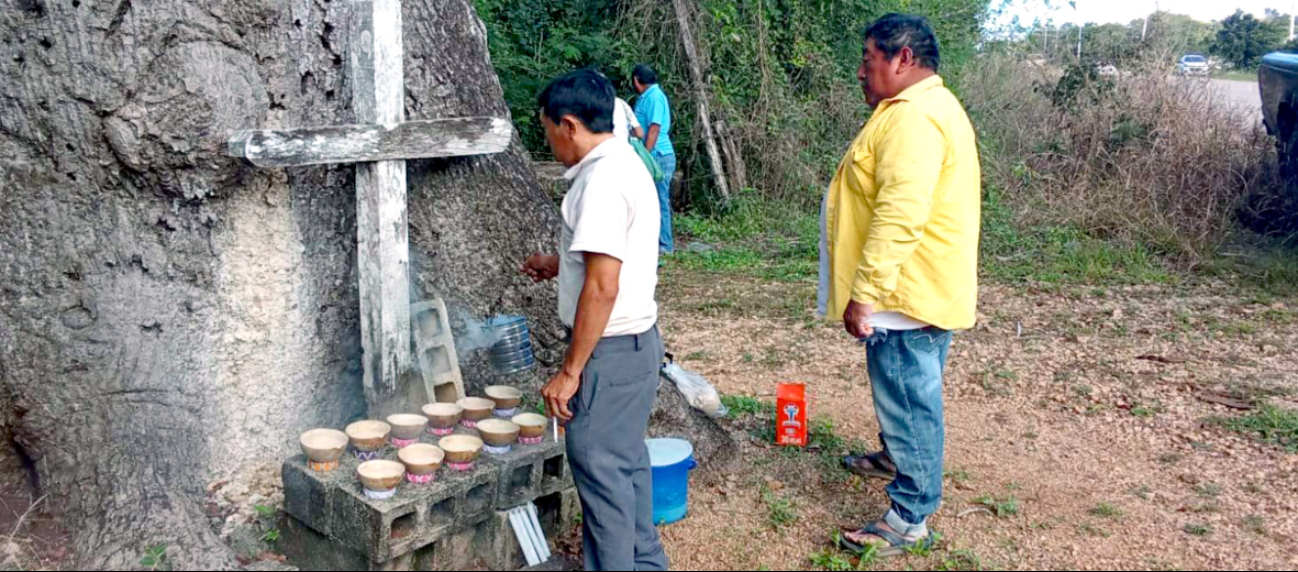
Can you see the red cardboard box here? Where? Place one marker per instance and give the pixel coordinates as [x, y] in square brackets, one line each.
[791, 415]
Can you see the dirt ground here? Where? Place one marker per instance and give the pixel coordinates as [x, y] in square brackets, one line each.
[1083, 413]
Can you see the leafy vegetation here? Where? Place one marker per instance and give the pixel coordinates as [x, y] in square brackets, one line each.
[1106, 510]
[782, 74]
[780, 511]
[1269, 423]
[1243, 39]
[831, 561]
[1001, 507]
[740, 405]
[155, 558]
[962, 560]
[1088, 179]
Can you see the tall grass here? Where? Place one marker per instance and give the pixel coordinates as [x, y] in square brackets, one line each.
[1141, 159]
[1137, 179]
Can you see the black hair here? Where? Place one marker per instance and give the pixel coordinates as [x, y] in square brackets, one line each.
[896, 31]
[585, 94]
[645, 74]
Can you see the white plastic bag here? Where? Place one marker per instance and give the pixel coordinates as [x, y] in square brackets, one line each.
[697, 391]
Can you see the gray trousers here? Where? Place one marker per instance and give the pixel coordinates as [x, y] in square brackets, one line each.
[610, 462]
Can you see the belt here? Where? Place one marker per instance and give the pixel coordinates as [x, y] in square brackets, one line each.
[637, 339]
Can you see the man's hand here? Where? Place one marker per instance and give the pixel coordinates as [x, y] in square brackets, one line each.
[857, 320]
[558, 393]
[541, 267]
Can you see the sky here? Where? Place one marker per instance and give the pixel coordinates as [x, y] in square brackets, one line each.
[1124, 11]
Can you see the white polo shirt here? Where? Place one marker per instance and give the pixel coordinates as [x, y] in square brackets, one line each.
[612, 209]
[624, 119]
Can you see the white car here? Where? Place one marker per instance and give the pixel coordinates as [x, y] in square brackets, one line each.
[1193, 65]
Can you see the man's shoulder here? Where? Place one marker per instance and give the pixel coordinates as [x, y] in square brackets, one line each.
[939, 106]
[654, 95]
[618, 157]
[942, 103]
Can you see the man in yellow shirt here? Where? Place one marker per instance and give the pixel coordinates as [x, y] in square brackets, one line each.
[902, 221]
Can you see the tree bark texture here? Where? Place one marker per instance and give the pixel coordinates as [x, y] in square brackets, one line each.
[683, 17]
[169, 316]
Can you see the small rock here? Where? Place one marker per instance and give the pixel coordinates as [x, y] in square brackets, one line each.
[700, 247]
[256, 500]
[237, 493]
[246, 542]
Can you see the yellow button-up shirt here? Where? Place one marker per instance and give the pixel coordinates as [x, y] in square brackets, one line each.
[904, 212]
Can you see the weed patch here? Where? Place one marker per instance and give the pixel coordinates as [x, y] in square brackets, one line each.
[1270, 424]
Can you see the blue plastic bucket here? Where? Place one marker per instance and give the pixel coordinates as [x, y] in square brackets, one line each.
[672, 461]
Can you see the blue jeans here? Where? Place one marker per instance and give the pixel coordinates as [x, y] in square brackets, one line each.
[668, 164]
[906, 373]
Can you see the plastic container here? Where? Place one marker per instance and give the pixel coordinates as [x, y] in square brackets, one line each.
[672, 461]
[512, 352]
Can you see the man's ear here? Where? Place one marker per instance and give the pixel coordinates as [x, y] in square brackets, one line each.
[570, 124]
[907, 57]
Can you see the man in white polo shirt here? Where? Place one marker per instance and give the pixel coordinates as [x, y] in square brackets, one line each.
[607, 268]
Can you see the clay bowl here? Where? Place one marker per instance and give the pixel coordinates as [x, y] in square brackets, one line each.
[476, 408]
[323, 445]
[461, 449]
[407, 427]
[506, 397]
[498, 432]
[421, 459]
[443, 415]
[381, 476]
[531, 425]
[368, 435]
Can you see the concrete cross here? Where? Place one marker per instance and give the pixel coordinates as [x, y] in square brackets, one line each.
[379, 145]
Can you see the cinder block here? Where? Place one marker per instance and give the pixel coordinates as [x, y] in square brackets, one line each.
[307, 549]
[435, 351]
[557, 513]
[334, 505]
[530, 471]
[444, 525]
[472, 546]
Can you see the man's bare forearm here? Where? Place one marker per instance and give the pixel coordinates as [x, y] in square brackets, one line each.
[594, 308]
[652, 138]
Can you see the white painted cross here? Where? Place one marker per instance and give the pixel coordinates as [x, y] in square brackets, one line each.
[379, 145]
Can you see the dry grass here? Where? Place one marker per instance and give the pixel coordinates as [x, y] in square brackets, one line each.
[1142, 158]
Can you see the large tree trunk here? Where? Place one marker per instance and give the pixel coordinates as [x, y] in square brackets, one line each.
[169, 317]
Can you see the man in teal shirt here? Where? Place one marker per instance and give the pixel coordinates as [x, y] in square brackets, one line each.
[654, 113]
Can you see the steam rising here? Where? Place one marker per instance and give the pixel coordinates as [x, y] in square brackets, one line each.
[477, 335]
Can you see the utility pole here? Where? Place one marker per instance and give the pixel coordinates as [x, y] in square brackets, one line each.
[1291, 20]
[1144, 32]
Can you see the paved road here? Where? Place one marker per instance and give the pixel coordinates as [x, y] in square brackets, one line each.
[1242, 94]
